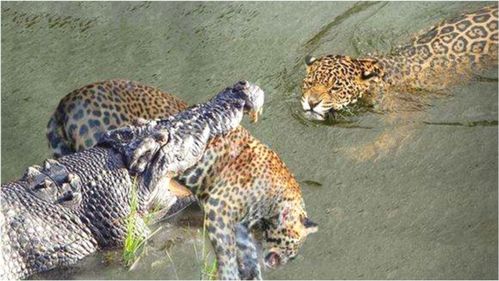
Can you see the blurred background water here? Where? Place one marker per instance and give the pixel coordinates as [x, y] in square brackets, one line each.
[403, 196]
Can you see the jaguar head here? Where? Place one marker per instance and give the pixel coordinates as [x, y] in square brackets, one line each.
[333, 83]
[286, 234]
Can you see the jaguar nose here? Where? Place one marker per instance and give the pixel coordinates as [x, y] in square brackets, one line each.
[313, 104]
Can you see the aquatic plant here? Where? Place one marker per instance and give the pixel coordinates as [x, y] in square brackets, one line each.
[209, 271]
[132, 240]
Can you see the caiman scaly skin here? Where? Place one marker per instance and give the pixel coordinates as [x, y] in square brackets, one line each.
[71, 207]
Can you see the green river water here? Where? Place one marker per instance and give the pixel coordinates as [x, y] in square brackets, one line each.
[396, 196]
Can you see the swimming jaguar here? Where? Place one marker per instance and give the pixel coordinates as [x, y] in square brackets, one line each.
[432, 60]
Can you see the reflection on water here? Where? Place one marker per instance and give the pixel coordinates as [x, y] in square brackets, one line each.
[389, 140]
[405, 190]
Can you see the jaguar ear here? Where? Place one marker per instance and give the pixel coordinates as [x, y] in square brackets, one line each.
[369, 68]
[309, 60]
[311, 226]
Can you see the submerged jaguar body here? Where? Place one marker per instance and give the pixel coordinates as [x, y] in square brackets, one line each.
[432, 60]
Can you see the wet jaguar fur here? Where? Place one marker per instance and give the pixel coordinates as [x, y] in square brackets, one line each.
[432, 60]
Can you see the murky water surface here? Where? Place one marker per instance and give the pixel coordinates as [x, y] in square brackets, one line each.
[399, 196]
